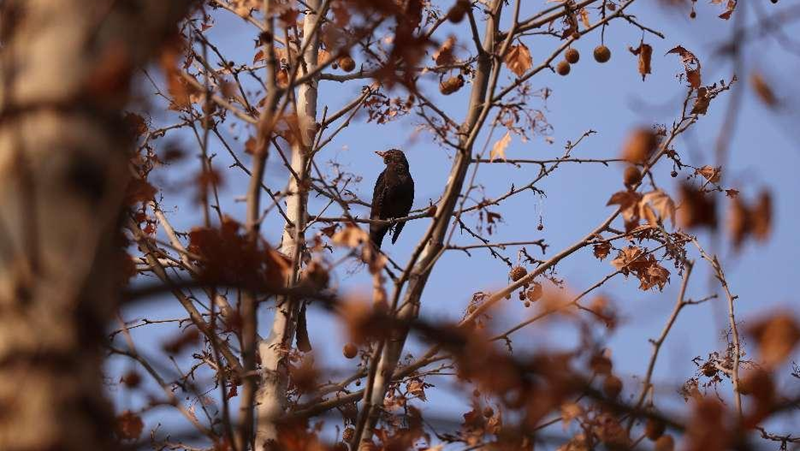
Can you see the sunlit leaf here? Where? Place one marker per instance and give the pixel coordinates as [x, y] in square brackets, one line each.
[645, 53]
[518, 59]
[499, 147]
[691, 64]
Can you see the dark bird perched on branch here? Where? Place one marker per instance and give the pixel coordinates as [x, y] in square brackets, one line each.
[393, 195]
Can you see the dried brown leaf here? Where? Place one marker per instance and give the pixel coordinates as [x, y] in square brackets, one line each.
[738, 223]
[139, 190]
[662, 204]
[585, 18]
[351, 236]
[518, 59]
[761, 216]
[499, 148]
[691, 64]
[640, 145]
[628, 202]
[698, 209]
[601, 250]
[444, 56]
[710, 173]
[763, 90]
[701, 102]
[776, 337]
[645, 53]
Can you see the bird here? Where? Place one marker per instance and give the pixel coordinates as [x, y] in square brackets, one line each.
[392, 197]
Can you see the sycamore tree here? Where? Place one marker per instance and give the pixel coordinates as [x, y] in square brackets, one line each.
[224, 180]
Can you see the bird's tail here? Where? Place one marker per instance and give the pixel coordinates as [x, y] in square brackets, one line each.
[301, 334]
[376, 234]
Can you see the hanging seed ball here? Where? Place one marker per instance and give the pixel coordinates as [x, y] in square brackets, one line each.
[602, 54]
[521, 295]
[562, 68]
[517, 273]
[572, 55]
[350, 351]
[612, 386]
[348, 434]
[693, 14]
[488, 412]
[540, 226]
[527, 304]
[654, 429]
[346, 63]
[632, 176]
[451, 85]
[673, 174]
[665, 443]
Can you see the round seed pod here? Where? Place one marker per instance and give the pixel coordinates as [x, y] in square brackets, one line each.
[562, 68]
[348, 434]
[572, 55]
[350, 351]
[346, 63]
[517, 273]
[602, 54]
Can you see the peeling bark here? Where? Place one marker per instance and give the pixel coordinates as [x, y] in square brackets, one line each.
[271, 398]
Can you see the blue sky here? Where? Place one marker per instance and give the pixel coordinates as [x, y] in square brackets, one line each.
[611, 99]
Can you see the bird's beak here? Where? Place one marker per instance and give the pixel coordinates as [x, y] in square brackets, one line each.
[380, 154]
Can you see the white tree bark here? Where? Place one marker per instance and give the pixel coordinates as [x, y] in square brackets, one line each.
[64, 72]
[271, 398]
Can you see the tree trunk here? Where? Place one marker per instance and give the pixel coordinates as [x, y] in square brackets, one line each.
[271, 399]
[418, 277]
[65, 67]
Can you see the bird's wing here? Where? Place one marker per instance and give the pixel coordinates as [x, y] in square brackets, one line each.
[377, 211]
[405, 201]
[378, 195]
